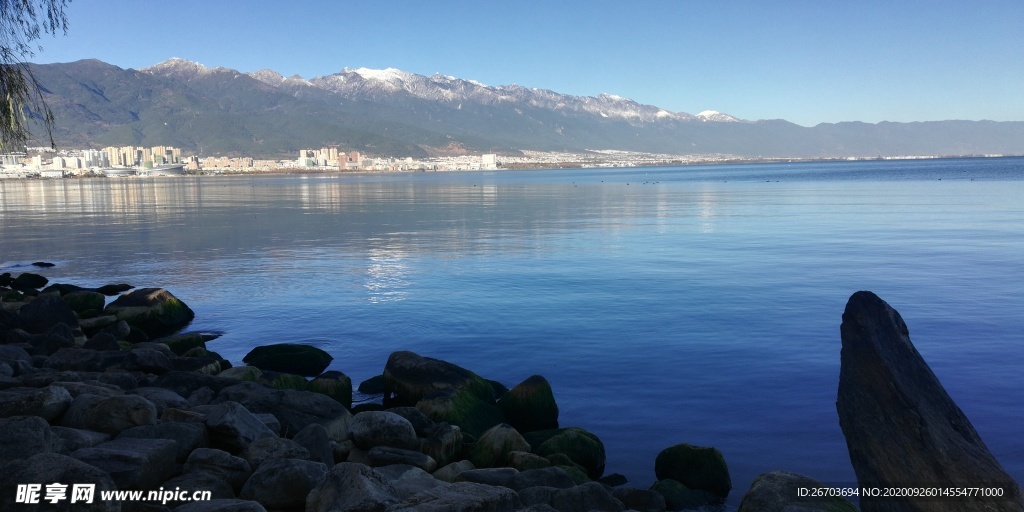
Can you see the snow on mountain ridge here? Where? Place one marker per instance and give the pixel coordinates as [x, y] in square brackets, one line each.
[379, 84]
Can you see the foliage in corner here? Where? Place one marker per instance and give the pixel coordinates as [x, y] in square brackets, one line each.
[22, 22]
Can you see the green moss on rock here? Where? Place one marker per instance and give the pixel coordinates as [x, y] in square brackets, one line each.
[580, 446]
[461, 408]
[181, 344]
[334, 384]
[154, 310]
[530, 405]
[696, 467]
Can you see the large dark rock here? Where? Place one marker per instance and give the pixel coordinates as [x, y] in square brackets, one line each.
[462, 497]
[387, 455]
[232, 427]
[775, 491]
[295, 410]
[582, 498]
[696, 467]
[48, 403]
[315, 440]
[352, 487]
[580, 446]
[284, 483]
[154, 310]
[72, 439]
[25, 436]
[493, 447]
[267, 449]
[289, 358]
[382, 428]
[902, 429]
[29, 281]
[334, 384]
[234, 470]
[530, 405]
[408, 377]
[408, 480]
[186, 436]
[84, 300]
[461, 408]
[132, 463]
[642, 500]
[47, 468]
[44, 312]
[113, 414]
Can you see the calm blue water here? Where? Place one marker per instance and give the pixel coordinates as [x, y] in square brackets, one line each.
[665, 305]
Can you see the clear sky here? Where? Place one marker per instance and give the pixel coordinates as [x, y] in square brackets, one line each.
[808, 61]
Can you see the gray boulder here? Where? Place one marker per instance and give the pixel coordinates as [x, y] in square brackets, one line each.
[71, 439]
[294, 409]
[25, 436]
[218, 488]
[488, 476]
[777, 491]
[352, 487]
[582, 498]
[186, 436]
[47, 468]
[148, 361]
[545, 477]
[272, 448]
[451, 471]
[901, 426]
[387, 455]
[161, 398]
[382, 428]
[530, 405]
[314, 439]
[132, 463]
[462, 497]
[48, 403]
[113, 414]
[641, 500]
[232, 427]
[284, 483]
[234, 470]
[408, 377]
[408, 480]
[442, 441]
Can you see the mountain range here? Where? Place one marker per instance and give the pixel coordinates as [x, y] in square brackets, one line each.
[392, 112]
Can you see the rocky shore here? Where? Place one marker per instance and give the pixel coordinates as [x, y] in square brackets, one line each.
[107, 392]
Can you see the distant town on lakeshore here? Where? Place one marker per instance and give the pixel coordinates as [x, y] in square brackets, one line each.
[123, 161]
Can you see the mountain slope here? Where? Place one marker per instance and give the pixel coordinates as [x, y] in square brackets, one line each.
[392, 112]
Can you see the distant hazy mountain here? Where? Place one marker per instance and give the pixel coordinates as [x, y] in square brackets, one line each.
[392, 112]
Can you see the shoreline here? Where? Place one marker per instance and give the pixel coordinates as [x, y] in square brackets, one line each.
[525, 167]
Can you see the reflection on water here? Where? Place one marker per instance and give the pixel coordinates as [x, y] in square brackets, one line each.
[668, 305]
[387, 276]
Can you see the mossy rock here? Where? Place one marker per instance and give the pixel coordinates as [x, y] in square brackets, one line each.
[154, 310]
[579, 445]
[530, 405]
[196, 352]
[291, 358]
[334, 384]
[289, 381]
[409, 377]
[461, 408]
[578, 476]
[82, 301]
[182, 343]
[12, 296]
[493, 447]
[561, 459]
[243, 373]
[524, 461]
[680, 497]
[696, 467]
[777, 490]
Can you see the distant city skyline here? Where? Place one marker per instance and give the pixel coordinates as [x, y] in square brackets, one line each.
[806, 62]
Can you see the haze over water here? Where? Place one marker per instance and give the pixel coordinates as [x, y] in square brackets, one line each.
[665, 305]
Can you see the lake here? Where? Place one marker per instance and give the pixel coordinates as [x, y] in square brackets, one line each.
[696, 304]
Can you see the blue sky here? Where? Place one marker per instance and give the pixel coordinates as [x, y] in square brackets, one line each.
[804, 61]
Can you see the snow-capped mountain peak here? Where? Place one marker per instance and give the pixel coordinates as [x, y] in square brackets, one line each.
[384, 75]
[178, 67]
[716, 116]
